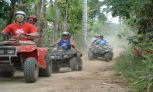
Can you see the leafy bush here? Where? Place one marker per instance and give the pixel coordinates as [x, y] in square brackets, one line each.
[138, 71]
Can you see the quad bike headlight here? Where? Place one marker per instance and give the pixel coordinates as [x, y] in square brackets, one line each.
[106, 50]
[65, 56]
[10, 51]
[97, 46]
[52, 57]
[1, 51]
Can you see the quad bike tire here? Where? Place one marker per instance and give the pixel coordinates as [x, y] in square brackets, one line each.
[90, 55]
[107, 57]
[48, 71]
[76, 64]
[31, 70]
[111, 55]
[7, 73]
[56, 69]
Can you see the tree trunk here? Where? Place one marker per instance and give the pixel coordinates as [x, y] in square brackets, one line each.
[40, 24]
[21, 5]
[65, 17]
[41, 13]
[56, 23]
[84, 25]
[11, 13]
[51, 3]
[44, 8]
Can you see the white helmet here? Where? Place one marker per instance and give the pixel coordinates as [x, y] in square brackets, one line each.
[66, 33]
[96, 34]
[20, 12]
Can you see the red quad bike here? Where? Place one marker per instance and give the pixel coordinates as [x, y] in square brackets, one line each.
[17, 55]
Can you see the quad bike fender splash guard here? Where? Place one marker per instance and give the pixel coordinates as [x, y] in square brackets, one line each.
[41, 55]
[38, 53]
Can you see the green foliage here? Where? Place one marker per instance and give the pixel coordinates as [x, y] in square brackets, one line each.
[137, 70]
[94, 8]
[102, 18]
[51, 13]
[138, 14]
[4, 10]
[74, 15]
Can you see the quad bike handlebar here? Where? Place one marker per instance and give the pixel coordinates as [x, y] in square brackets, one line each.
[14, 42]
[5, 36]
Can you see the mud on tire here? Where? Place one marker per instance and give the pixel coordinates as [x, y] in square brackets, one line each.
[31, 70]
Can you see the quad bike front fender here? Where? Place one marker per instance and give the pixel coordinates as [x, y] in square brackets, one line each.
[41, 56]
[38, 53]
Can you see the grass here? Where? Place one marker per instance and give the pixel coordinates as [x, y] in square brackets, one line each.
[137, 71]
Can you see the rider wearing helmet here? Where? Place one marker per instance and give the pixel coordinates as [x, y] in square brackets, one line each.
[66, 41]
[95, 38]
[21, 28]
[32, 19]
[101, 41]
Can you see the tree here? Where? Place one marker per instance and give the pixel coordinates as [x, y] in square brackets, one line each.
[138, 14]
[65, 17]
[56, 23]
[11, 12]
[84, 24]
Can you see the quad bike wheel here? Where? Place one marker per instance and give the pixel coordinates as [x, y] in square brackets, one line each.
[7, 73]
[75, 64]
[111, 55]
[90, 55]
[107, 57]
[48, 71]
[56, 69]
[31, 70]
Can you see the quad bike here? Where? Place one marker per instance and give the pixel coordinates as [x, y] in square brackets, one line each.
[25, 56]
[65, 58]
[96, 51]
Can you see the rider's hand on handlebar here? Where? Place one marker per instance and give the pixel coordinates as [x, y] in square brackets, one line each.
[80, 54]
[22, 36]
[52, 45]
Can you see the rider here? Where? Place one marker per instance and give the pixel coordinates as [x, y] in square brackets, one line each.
[94, 39]
[21, 28]
[66, 41]
[101, 41]
[32, 19]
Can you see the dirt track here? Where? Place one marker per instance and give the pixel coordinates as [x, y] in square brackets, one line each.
[97, 76]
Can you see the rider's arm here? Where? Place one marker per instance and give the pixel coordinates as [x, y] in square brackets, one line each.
[106, 42]
[7, 29]
[96, 42]
[55, 43]
[33, 32]
[73, 46]
[33, 35]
